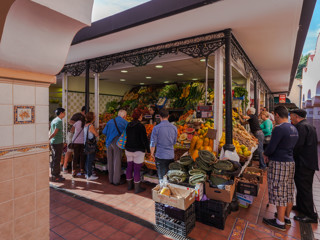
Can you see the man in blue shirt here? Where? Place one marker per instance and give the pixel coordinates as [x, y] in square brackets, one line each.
[281, 169]
[113, 130]
[164, 137]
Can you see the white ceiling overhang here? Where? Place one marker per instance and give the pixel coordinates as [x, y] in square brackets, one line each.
[267, 31]
[37, 33]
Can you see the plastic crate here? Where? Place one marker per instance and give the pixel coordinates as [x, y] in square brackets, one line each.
[248, 188]
[209, 218]
[176, 213]
[178, 227]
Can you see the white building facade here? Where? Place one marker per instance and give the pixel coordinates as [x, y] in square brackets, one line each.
[311, 88]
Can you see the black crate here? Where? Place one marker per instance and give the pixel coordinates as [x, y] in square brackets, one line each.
[213, 206]
[176, 213]
[179, 227]
[248, 188]
[212, 219]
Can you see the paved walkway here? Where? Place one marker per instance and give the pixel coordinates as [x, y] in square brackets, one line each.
[105, 211]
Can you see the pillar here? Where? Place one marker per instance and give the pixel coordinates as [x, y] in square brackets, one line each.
[96, 99]
[228, 87]
[87, 87]
[255, 95]
[24, 154]
[218, 96]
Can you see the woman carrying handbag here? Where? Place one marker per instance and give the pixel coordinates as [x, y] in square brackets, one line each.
[90, 144]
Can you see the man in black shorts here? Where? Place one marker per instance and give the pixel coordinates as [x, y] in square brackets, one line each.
[281, 169]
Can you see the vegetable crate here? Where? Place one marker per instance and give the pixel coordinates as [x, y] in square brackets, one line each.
[213, 213]
[248, 188]
[178, 227]
[176, 213]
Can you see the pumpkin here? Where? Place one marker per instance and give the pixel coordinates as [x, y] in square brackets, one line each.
[195, 154]
[199, 143]
[193, 143]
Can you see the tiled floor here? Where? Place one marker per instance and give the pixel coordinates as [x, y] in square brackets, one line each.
[74, 219]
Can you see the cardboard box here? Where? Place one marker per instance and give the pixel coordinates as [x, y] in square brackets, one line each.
[199, 191]
[243, 204]
[253, 176]
[245, 198]
[181, 197]
[224, 195]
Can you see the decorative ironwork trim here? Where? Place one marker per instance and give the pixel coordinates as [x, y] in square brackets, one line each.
[198, 46]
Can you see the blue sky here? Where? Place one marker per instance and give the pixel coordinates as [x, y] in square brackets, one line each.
[105, 8]
[314, 29]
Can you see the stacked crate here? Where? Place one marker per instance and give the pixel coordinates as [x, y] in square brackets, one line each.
[213, 213]
[175, 220]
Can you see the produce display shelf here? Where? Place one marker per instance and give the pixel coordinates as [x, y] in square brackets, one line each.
[248, 161]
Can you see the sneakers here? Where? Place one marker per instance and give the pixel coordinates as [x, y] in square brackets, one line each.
[286, 221]
[92, 178]
[273, 223]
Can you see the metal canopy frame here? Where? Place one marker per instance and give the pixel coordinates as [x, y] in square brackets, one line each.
[197, 46]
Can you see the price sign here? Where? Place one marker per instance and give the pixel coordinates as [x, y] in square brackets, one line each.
[282, 98]
[205, 111]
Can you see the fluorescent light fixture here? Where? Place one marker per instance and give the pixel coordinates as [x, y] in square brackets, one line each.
[148, 77]
[159, 66]
[141, 83]
[180, 74]
[122, 80]
[202, 60]
[166, 82]
[194, 79]
[124, 71]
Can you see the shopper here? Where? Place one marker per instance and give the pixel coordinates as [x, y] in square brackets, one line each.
[281, 169]
[163, 137]
[89, 133]
[266, 127]
[253, 122]
[75, 117]
[56, 142]
[153, 110]
[78, 143]
[306, 158]
[136, 146]
[113, 130]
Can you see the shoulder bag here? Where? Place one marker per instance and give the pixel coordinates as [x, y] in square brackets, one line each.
[90, 145]
[121, 143]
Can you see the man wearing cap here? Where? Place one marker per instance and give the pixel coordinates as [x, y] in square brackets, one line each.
[306, 159]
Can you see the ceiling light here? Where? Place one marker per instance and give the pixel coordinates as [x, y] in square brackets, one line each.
[141, 83]
[166, 82]
[159, 66]
[122, 80]
[194, 79]
[148, 77]
[124, 71]
[202, 60]
[180, 74]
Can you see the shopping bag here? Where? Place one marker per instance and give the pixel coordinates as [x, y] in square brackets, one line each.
[121, 143]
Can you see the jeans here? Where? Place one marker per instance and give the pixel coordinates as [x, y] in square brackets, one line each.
[56, 150]
[163, 166]
[90, 158]
[260, 136]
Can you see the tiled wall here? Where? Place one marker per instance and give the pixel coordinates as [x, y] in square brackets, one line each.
[24, 162]
[76, 100]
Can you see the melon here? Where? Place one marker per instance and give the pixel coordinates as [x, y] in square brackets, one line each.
[190, 136]
[183, 137]
[189, 130]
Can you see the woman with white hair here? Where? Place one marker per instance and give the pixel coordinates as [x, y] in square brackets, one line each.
[255, 128]
[113, 130]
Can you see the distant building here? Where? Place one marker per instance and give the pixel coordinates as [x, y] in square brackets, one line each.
[311, 88]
